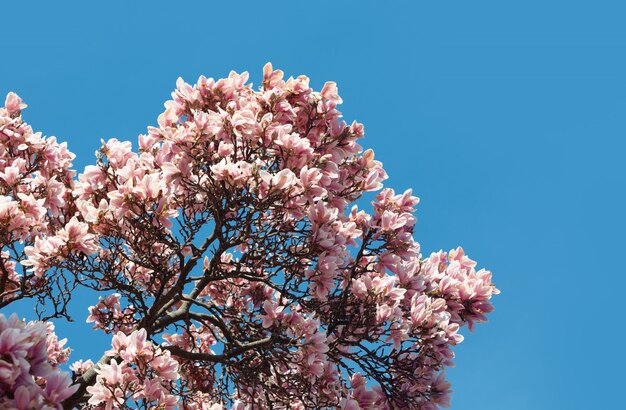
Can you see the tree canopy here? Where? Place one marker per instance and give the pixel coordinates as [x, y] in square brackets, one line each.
[235, 268]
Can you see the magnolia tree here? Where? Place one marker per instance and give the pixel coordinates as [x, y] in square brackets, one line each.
[234, 268]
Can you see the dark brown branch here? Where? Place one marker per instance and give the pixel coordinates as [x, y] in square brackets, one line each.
[222, 358]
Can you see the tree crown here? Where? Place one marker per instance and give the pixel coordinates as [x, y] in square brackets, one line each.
[235, 267]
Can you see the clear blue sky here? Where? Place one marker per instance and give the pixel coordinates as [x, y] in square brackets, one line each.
[507, 120]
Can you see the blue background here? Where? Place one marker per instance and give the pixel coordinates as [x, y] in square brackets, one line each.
[506, 119]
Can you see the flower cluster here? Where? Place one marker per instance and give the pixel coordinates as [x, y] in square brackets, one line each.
[35, 201]
[108, 316]
[29, 354]
[138, 372]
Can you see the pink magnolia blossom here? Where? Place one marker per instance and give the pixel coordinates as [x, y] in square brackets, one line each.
[13, 104]
[81, 366]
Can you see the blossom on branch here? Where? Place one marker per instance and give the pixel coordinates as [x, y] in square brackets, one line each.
[29, 356]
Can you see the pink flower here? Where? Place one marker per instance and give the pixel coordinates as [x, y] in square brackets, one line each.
[58, 387]
[13, 104]
[10, 175]
[329, 92]
[166, 367]
[107, 388]
[233, 174]
[272, 78]
[80, 366]
[272, 313]
[77, 236]
[283, 180]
